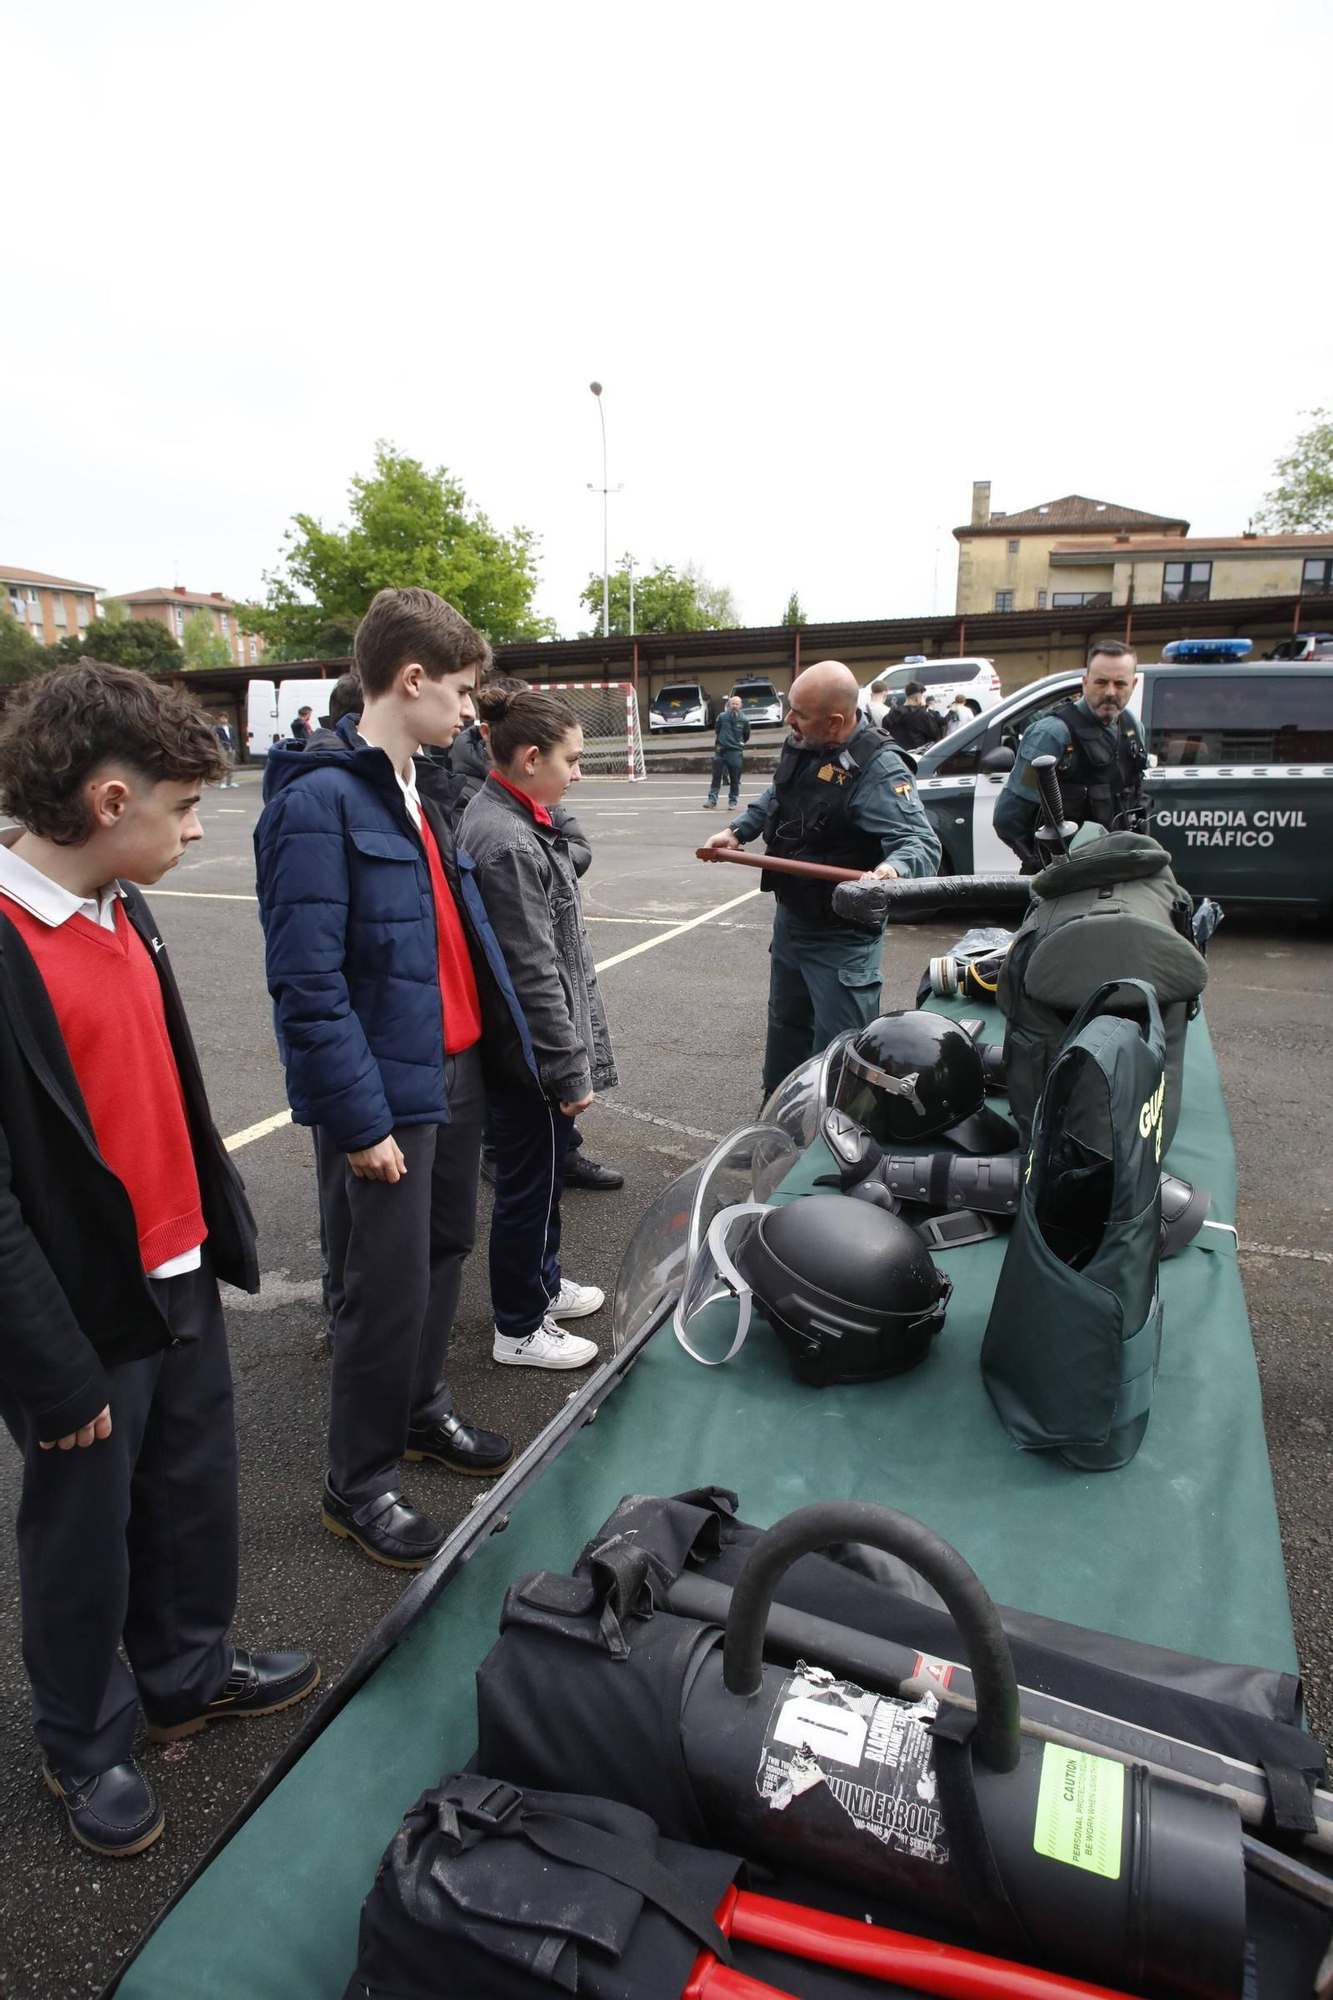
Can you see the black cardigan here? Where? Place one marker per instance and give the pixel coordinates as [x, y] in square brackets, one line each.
[74, 1299]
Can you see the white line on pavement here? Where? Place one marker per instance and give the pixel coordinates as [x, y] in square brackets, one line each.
[651, 1118]
[203, 895]
[259, 1131]
[665, 937]
[280, 1118]
[1281, 1250]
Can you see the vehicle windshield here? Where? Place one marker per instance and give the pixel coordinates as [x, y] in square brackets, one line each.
[689, 694]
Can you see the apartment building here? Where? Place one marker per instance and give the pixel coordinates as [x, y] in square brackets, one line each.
[175, 607]
[49, 607]
[1005, 560]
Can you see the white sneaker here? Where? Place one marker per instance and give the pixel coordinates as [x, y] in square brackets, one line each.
[576, 1301]
[549, 1347]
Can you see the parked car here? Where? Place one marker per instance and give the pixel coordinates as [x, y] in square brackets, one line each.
[973, 678]
[1240, 782]
[1304, 646]
[761, 703]
[683, 705]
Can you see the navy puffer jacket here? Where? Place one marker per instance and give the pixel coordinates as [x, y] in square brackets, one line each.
[351, 948]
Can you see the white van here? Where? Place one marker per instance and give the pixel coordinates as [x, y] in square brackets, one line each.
[272, 707]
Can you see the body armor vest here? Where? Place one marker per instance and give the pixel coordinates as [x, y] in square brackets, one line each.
[1106, 784]
[809, 819]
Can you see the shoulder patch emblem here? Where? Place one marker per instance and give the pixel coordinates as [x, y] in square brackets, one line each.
[903, 790]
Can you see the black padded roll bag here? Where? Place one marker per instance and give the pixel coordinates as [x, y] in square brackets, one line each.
[1070, 1352]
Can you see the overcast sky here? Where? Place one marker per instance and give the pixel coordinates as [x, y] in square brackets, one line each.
[831, 265]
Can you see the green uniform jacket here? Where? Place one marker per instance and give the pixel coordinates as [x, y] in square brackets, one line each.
[732, 732]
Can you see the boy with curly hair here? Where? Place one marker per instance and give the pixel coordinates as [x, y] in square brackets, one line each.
[119, 1210]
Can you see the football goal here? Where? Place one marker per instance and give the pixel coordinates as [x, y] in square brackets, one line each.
[609, 716]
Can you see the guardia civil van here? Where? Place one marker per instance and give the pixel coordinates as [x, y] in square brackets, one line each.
[1240, 781]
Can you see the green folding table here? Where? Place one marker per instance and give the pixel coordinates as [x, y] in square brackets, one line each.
[1179, 1549]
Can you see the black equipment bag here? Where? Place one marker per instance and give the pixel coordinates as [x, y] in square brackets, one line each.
[1111, 910]
[1070, 1353]
[488, 1890]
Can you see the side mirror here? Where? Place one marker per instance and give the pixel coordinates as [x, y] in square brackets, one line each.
[998, 760]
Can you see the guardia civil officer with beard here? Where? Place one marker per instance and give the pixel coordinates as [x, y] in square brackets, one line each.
[1100, 757]
[842, 795]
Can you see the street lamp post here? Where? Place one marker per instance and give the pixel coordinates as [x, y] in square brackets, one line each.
[605, 491]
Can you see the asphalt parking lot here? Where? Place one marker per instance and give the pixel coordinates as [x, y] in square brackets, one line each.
[683, 952]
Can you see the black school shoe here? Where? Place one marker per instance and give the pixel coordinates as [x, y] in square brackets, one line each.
[114, 1813]
[584, 1173]
[453, 1442]
[258, 1684]
[388, 1529]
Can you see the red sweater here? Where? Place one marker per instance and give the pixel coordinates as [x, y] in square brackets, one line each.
[458, 984]
[108, 1004]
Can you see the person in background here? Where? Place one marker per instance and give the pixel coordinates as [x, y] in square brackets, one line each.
[119, 1212]
[302, 729]
[731, 734]
[911, 725]
[227, 745]
[528, 885]
[956, 714]
[390, 992]
[842, 795]
[345, 699]
[453, 791]
[877, 703]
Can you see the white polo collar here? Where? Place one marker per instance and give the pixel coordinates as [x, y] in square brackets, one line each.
[47, 900]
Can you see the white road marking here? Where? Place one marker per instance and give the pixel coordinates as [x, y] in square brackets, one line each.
[259, 1131]
[651, 944]
[203, 895]
[281, 1118]
[1281, 1250]
[651, 1118]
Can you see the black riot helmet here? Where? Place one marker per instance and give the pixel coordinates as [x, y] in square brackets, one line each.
[912, 1076]
[852, 1292]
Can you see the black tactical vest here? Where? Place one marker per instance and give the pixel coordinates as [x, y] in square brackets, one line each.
[1106, 782]
[808, 819]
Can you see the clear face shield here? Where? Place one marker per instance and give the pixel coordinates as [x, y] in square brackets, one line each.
[712, 1316]
[801, 1099]
[745, 1167]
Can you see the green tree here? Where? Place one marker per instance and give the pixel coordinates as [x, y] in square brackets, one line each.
[124, 642]
[203, 645]
[21, 656]
[793, 615]
[1302, 500]
[665, 600]
[408, 526]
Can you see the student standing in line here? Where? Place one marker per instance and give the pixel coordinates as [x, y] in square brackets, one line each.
[119, 1210]
[389, 990]
[528, 883]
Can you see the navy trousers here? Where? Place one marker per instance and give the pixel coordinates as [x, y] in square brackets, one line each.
[132, 1541]
[532, 1137]
[396, 1255]
[726, 764]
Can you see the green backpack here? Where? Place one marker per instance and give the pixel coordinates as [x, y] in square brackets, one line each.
[1111, 911]
[1070, 1353]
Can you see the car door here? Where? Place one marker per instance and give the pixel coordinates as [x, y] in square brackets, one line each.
[1005, 730]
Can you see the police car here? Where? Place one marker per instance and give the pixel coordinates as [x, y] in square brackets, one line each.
[683, 705]
[1240, 784]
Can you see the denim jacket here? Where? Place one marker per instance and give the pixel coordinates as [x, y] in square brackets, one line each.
[528, 885]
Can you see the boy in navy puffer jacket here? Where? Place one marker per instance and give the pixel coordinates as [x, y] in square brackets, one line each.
[389, 991]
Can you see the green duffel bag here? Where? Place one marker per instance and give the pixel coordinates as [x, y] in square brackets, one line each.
[1070, 1352]
[1111, 911]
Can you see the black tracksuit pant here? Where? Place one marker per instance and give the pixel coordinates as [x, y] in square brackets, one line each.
[396, 1255]
[532, 1137]
[133, 1540]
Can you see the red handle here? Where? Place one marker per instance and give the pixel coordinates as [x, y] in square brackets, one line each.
[945, 1969]
[819, 871]
[710, 1980]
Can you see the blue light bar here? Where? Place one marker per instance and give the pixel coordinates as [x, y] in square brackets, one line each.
[1201, 650]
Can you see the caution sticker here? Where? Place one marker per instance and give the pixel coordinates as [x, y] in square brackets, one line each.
[1080, 1810]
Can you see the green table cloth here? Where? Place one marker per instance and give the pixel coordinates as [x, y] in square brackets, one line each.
[1180, 1549]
